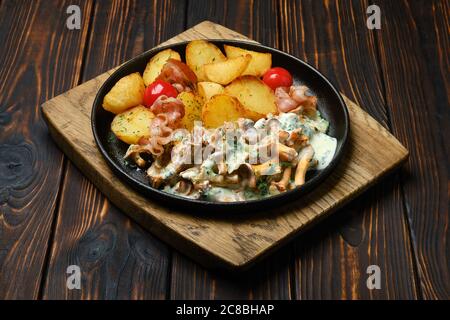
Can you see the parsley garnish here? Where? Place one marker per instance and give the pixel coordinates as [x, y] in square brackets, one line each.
[263, 186]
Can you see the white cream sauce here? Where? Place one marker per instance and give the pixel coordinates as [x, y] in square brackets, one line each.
[324, 149]
[223, 195]
[238, 151]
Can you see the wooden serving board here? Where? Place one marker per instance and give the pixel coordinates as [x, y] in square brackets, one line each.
[223, 240]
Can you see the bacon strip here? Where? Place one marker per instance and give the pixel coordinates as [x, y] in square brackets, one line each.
[290, 99]
[168, 114]
[171, 107]
[284, 102]
[179, 75]
[300, 95]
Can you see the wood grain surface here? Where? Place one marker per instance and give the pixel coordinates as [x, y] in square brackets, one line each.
[272, 278]
[118, 259]
[415, 72]
[347, 246]
[215, 239]
[39, 60]
[52, 216]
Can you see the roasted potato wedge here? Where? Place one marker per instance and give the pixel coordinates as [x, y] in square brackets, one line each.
[155, 65]
[255, 96]
[259, 64]
[127, 92]
[192, 108]
[208, 89]
[220, 109]
[226, 71]
[133, 124]
[199, 53]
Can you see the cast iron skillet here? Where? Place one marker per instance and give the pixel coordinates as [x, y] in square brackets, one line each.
[330, 104]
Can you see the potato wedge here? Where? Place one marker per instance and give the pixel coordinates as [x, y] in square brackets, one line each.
[226, 71]
[155, 65]
[220, 109]
[199, 53]
[192, 108]
[127, 92]
[208, 89]
[133, 124]
[260, 63]
[255, 96]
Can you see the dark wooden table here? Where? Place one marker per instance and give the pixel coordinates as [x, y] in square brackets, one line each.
[52, 217]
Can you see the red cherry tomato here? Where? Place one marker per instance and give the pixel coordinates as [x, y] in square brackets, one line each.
[156, 89]
[277, 77]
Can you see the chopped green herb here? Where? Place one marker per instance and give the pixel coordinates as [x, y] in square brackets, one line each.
[285, 164]
[263, 186]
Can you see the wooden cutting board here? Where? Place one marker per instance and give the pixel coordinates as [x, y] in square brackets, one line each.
[231, 240]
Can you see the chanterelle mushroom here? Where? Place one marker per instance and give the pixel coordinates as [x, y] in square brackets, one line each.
[268, 168]
[286, 153]
[296, 139]
[183, 187]
[134, 153]
[304, 158]
[158, 173]
[248, 175]
[283, 183]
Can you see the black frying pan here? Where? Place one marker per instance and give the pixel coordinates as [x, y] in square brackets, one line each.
[330, 105]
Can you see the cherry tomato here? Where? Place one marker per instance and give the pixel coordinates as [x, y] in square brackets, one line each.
[156, 89]
[277, 77]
